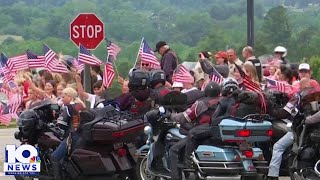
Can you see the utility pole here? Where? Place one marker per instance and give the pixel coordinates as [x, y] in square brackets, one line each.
[250, 23]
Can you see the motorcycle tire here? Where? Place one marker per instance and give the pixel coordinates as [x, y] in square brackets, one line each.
[23, 178]
[141, 170]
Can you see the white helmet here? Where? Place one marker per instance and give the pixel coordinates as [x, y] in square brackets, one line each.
[281, 49]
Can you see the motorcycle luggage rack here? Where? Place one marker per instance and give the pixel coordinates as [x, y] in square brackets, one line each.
[256, 117]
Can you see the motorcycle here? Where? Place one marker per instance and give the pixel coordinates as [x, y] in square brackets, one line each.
[104, 149]
[306, 145]
[235, 158]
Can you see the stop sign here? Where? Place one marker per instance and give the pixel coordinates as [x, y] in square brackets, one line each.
[87, 29]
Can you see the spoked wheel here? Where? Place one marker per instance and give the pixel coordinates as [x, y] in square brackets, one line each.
[142, 171]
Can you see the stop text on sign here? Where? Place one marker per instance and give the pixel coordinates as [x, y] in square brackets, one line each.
[83, 31]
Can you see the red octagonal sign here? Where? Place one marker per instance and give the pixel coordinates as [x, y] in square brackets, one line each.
[87, 29]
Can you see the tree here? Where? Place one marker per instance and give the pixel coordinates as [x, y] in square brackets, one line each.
[276, 26]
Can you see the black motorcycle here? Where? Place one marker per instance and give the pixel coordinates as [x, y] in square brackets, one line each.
[105, 147]
[306, 146]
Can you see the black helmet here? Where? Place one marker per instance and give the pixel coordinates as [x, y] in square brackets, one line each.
[229, 86]
[28, 122]
[138, 79]
[212, 89]
[157, 76]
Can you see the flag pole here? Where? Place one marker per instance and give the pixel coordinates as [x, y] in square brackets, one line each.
[138, 53]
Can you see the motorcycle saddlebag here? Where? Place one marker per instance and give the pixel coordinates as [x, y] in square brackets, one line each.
[91, 163]
[113, 127]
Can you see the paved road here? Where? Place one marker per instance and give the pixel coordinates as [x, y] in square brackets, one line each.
[6, 137]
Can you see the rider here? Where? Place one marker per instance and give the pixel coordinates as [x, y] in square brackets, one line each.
[199, 113]
[68, 122]
[229, 92]
[157, 85]
[280, 53]
[137, 99]
[290, 110]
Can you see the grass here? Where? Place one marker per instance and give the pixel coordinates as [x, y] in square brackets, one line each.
[4, 37]
[13, 124]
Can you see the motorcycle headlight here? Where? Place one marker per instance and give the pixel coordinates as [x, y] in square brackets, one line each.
[147, 130]
[17, 135]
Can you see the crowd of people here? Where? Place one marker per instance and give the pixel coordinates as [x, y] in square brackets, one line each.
[215, 77]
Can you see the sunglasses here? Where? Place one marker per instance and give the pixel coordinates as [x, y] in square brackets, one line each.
[145, 64]
[278, 52]
[304, 71]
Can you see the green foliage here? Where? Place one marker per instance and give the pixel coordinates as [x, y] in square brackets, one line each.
[315, 64]
[276, 28]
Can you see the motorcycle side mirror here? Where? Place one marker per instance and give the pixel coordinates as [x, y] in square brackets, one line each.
[162, 110]
[288, 127]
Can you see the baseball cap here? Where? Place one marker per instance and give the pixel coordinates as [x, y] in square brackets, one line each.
[206, 54]
[159, 45]
[304, 66]
[221, 54]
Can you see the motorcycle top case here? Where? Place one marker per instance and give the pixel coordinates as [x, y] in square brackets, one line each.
[111, 125]
[234, 129]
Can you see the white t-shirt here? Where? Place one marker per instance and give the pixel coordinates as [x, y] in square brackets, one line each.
[99, 77]
[92, 100]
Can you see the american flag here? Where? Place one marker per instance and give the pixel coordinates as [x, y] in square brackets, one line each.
[86, 57]
[34, 60]
[253, 87]
[280, 86]
[109, 74]
[216, 76]
[247, 82]
[78, 65]
[112, 49]
[4, 71]
[52, 64]
[181, 73]
[18, 63]
[4, 118]
[147, 55]
[15, 100]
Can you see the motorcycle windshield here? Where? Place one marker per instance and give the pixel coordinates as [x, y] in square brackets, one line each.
[41, 104]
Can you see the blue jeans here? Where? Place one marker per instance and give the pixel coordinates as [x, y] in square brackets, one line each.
[62, 150]
[278, 149]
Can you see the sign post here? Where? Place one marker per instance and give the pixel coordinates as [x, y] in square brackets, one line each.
[88, 30]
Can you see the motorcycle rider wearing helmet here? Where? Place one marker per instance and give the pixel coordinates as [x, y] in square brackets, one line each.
[229, 92]
[68, 122]
[199, 113]
[280, 53]
[157, 85]
[137, 100]
[290, 110]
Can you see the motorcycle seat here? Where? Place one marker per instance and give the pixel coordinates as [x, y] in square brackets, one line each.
[279, 127]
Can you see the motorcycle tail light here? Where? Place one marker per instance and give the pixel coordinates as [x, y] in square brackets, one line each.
[243, 133]
[269, 132]
[248, 153]
[121, 152]
[117, 134]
